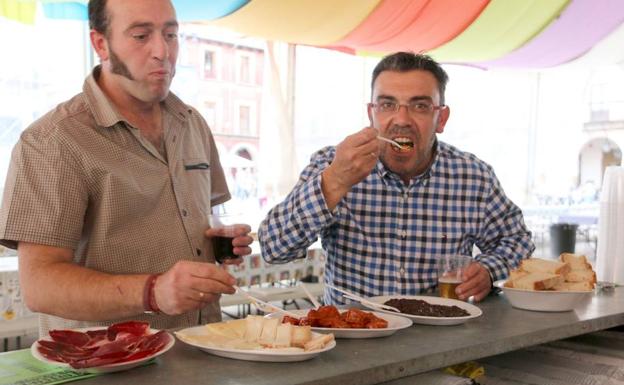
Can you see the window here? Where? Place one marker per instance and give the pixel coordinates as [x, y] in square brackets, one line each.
[244, 69]
[210, 70]
[244, 124]
[245, 66]
[30, 85]
[210, 114]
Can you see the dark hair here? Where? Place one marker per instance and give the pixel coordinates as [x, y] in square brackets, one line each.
[98, 17]
[409, 61]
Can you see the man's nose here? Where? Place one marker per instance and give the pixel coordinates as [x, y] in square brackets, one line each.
[402, 116]
[160, 48]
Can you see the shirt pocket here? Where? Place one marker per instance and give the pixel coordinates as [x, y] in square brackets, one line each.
[197, 174]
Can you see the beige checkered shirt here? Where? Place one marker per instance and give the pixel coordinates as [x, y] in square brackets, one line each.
[82, 178]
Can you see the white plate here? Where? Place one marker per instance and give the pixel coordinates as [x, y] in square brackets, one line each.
[264, 355]
[444, 321]
[395, 322]
[544, 300]
[104, 368]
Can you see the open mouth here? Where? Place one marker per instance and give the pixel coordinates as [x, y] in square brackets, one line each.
[407, 144]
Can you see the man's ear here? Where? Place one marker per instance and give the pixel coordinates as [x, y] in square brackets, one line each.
[100, 44]
[443, 116]
[369, 110]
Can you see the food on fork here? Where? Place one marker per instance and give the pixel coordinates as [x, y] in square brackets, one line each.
[571, 273]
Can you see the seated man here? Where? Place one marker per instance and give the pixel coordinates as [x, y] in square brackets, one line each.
[386, 214]
[108, 196]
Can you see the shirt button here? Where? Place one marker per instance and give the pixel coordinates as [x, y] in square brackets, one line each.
[184, 213]
[402, 271]
[403, 234]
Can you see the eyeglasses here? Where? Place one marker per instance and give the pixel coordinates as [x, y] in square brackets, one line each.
[417, 107]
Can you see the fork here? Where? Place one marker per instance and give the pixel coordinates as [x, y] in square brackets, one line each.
[264, 306]
[389, 141]
[362, 300]
[315, 303]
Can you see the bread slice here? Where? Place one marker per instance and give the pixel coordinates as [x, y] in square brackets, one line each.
[269, 331]
[229, 329]
[301, 335]
[537, 281]
[318, 342]
[534, 265]
[576, 261]
[581, 276]
[514, 275]
[574, 286]
[253, 328]
[283, 336]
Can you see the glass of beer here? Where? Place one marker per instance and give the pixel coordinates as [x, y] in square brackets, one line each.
[450, 274]
[222, 245]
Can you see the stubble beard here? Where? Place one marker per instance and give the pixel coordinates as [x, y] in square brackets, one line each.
[118, 67]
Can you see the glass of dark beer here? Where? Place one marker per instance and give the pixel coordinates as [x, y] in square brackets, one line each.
[450, 274]
[222, 245]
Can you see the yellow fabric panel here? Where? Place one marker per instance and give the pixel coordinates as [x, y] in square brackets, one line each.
[19, 10]
[312, 22]
[503, 26]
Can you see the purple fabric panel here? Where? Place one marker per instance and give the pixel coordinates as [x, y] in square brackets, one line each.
[581, 25]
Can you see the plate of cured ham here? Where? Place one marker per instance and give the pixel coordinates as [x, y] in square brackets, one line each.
[258, 338]
[103, 349]
[347, 323]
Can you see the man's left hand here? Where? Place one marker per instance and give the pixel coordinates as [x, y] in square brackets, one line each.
[477, 283]
[241, 242]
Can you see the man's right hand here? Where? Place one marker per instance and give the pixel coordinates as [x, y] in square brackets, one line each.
[190, 285]
[355, 157]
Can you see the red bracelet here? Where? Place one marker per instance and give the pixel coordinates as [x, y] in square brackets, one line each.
[149, 297]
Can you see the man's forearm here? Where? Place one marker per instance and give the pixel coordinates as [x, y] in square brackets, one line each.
[63, 289]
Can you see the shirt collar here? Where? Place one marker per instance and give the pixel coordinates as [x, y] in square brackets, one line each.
[104, 111]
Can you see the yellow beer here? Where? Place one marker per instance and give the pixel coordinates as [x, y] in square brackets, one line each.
[447, 286]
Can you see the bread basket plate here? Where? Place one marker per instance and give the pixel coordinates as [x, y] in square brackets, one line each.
[262, 355]
[395, 323]
[544, 300]
[472, 310]
[109, 368]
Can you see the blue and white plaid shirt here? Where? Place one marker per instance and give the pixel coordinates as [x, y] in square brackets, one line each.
[384, 237]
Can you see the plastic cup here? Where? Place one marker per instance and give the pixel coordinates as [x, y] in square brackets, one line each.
[226, 229]
[450, 274]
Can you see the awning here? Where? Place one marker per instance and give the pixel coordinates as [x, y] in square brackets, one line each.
[484, 33]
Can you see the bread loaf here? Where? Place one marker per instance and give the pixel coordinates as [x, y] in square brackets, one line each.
[534, 265]
[538, 281]
[571, 273]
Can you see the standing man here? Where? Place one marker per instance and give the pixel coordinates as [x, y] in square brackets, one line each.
[386, 214]
[108, 196]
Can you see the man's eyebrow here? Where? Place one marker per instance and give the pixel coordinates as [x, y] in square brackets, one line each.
[421, 97]
[147, 24]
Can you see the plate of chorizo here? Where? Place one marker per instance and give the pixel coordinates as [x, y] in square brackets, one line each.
[346, 323]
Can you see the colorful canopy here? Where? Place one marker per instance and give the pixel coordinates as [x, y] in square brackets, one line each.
[485, 33]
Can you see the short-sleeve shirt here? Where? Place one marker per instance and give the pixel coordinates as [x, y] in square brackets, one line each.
[83, 178]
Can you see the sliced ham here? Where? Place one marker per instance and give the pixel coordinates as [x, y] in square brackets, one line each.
[121, 342]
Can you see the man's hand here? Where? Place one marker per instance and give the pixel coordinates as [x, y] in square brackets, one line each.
[355, 158]
[477, 283]
[190, 285]
[241, 241]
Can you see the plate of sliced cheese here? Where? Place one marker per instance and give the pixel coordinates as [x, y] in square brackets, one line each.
[257, 338]
[550, 285]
